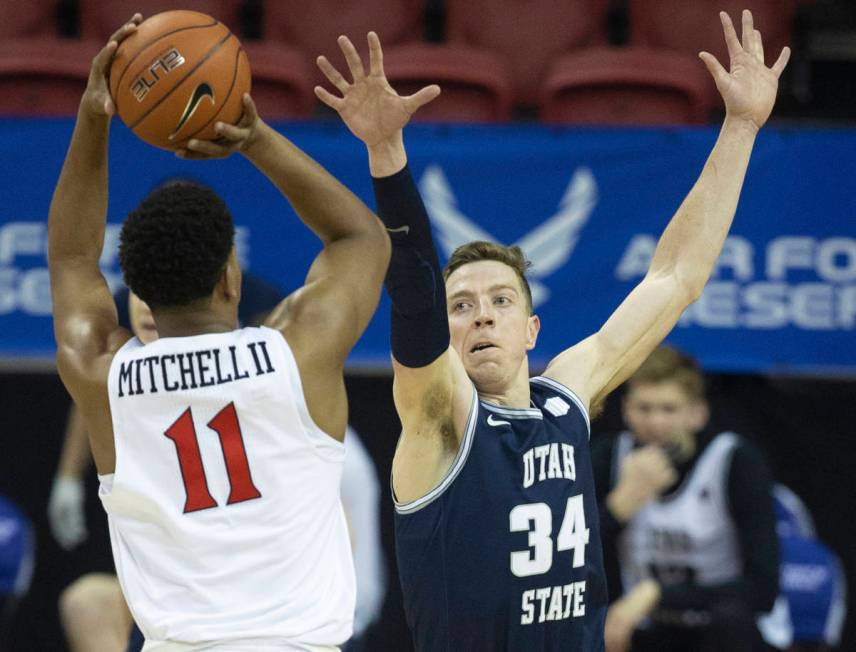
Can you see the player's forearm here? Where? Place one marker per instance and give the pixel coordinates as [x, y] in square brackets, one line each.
[77, 217]
[387, 157]
[694, 237]
[327, 207]
[75, 457]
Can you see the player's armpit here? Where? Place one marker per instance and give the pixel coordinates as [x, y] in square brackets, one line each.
[433, 403]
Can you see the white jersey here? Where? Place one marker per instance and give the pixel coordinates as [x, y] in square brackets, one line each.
[688, 535]
[224, 509]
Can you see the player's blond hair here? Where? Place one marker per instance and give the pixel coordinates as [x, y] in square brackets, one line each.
[479, 250]
[667, 364]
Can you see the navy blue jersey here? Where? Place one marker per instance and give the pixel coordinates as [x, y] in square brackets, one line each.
[504, 554]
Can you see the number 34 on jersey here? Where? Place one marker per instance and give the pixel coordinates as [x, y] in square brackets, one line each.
[550, 602]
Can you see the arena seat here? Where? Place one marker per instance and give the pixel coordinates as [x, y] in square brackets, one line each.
[43, 76]
[633, 86]
[691, 26]
[282, 81]
[529, 34]
[313, 27]
[476, 86]
[99, 19]
[26, 19]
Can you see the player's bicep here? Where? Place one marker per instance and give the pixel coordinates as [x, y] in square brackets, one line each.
[600, 363]
[326, 317]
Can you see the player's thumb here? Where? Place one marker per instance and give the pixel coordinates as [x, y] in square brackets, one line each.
[713, 66]
[422, 97]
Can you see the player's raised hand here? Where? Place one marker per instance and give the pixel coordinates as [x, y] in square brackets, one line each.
[96, 99]
[232, 138]
[749, 87]
[370, 107]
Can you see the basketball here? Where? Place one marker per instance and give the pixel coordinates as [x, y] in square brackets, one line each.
[179, 74]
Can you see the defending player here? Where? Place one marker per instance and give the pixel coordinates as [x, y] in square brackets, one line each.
[219, 450]
[496, 519]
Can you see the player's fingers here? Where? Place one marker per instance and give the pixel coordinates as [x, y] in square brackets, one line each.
[759, 45]
[352, 57]
[102, 60]
[127, 29]
[748, 30]
[335, 103]
[714, 67]
[251, 113]
[332, 74]
[731, 40]
[209, 148]
[782, 61]
[375, 55]
[421, 97]
[232, 133]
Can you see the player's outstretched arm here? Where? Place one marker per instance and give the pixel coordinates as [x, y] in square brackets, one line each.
[85, 322]
[431, 390]
[324, 319]
[693, 239]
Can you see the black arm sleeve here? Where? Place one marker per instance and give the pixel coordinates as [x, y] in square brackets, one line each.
[602, 451]
[751, 506]
[419, 325]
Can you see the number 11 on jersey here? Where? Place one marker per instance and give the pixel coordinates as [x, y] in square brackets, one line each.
[183, 434]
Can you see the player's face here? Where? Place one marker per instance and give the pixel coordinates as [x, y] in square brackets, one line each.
[662, 413]
[142, 321]
[489, 322]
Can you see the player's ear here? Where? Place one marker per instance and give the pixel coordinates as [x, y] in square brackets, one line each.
[533, 327]
[231, 280]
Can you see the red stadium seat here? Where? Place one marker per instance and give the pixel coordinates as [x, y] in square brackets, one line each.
[691, 26]
[31, 18]
[626, 87]
[476, 86]
[282, 82]
[314, 26]
[528, 33]
[100, 18]
[43, 76]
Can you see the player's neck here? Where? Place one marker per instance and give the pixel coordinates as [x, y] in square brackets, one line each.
[189, 322]
[514, 394]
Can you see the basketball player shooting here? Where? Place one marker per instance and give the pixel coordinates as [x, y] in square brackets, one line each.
[219, 449]
[496, 519]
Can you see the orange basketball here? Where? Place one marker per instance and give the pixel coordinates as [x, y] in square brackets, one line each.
[177, 75]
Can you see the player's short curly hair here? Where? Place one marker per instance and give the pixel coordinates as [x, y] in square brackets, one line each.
[478, 250]
[174, 246]
[667, 364]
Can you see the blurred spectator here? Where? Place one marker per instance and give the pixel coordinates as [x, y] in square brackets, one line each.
[17, 548]
[687, 520]
[813, 586]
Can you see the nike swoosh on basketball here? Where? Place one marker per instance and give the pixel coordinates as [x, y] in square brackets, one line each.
[496, 422]
[399, 229]
[200, 92]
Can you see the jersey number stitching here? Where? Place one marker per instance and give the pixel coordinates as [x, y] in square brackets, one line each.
[537, 519]
[183, 434]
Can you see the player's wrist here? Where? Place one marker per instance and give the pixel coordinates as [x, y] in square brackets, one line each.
[741, 125]
[388, 156]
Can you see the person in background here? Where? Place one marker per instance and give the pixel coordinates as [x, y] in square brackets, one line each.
[17, 556]
[685, 510]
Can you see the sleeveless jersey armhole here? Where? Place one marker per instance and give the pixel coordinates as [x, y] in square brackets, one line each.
[567, 392]
[325, 444]
[456, 467]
